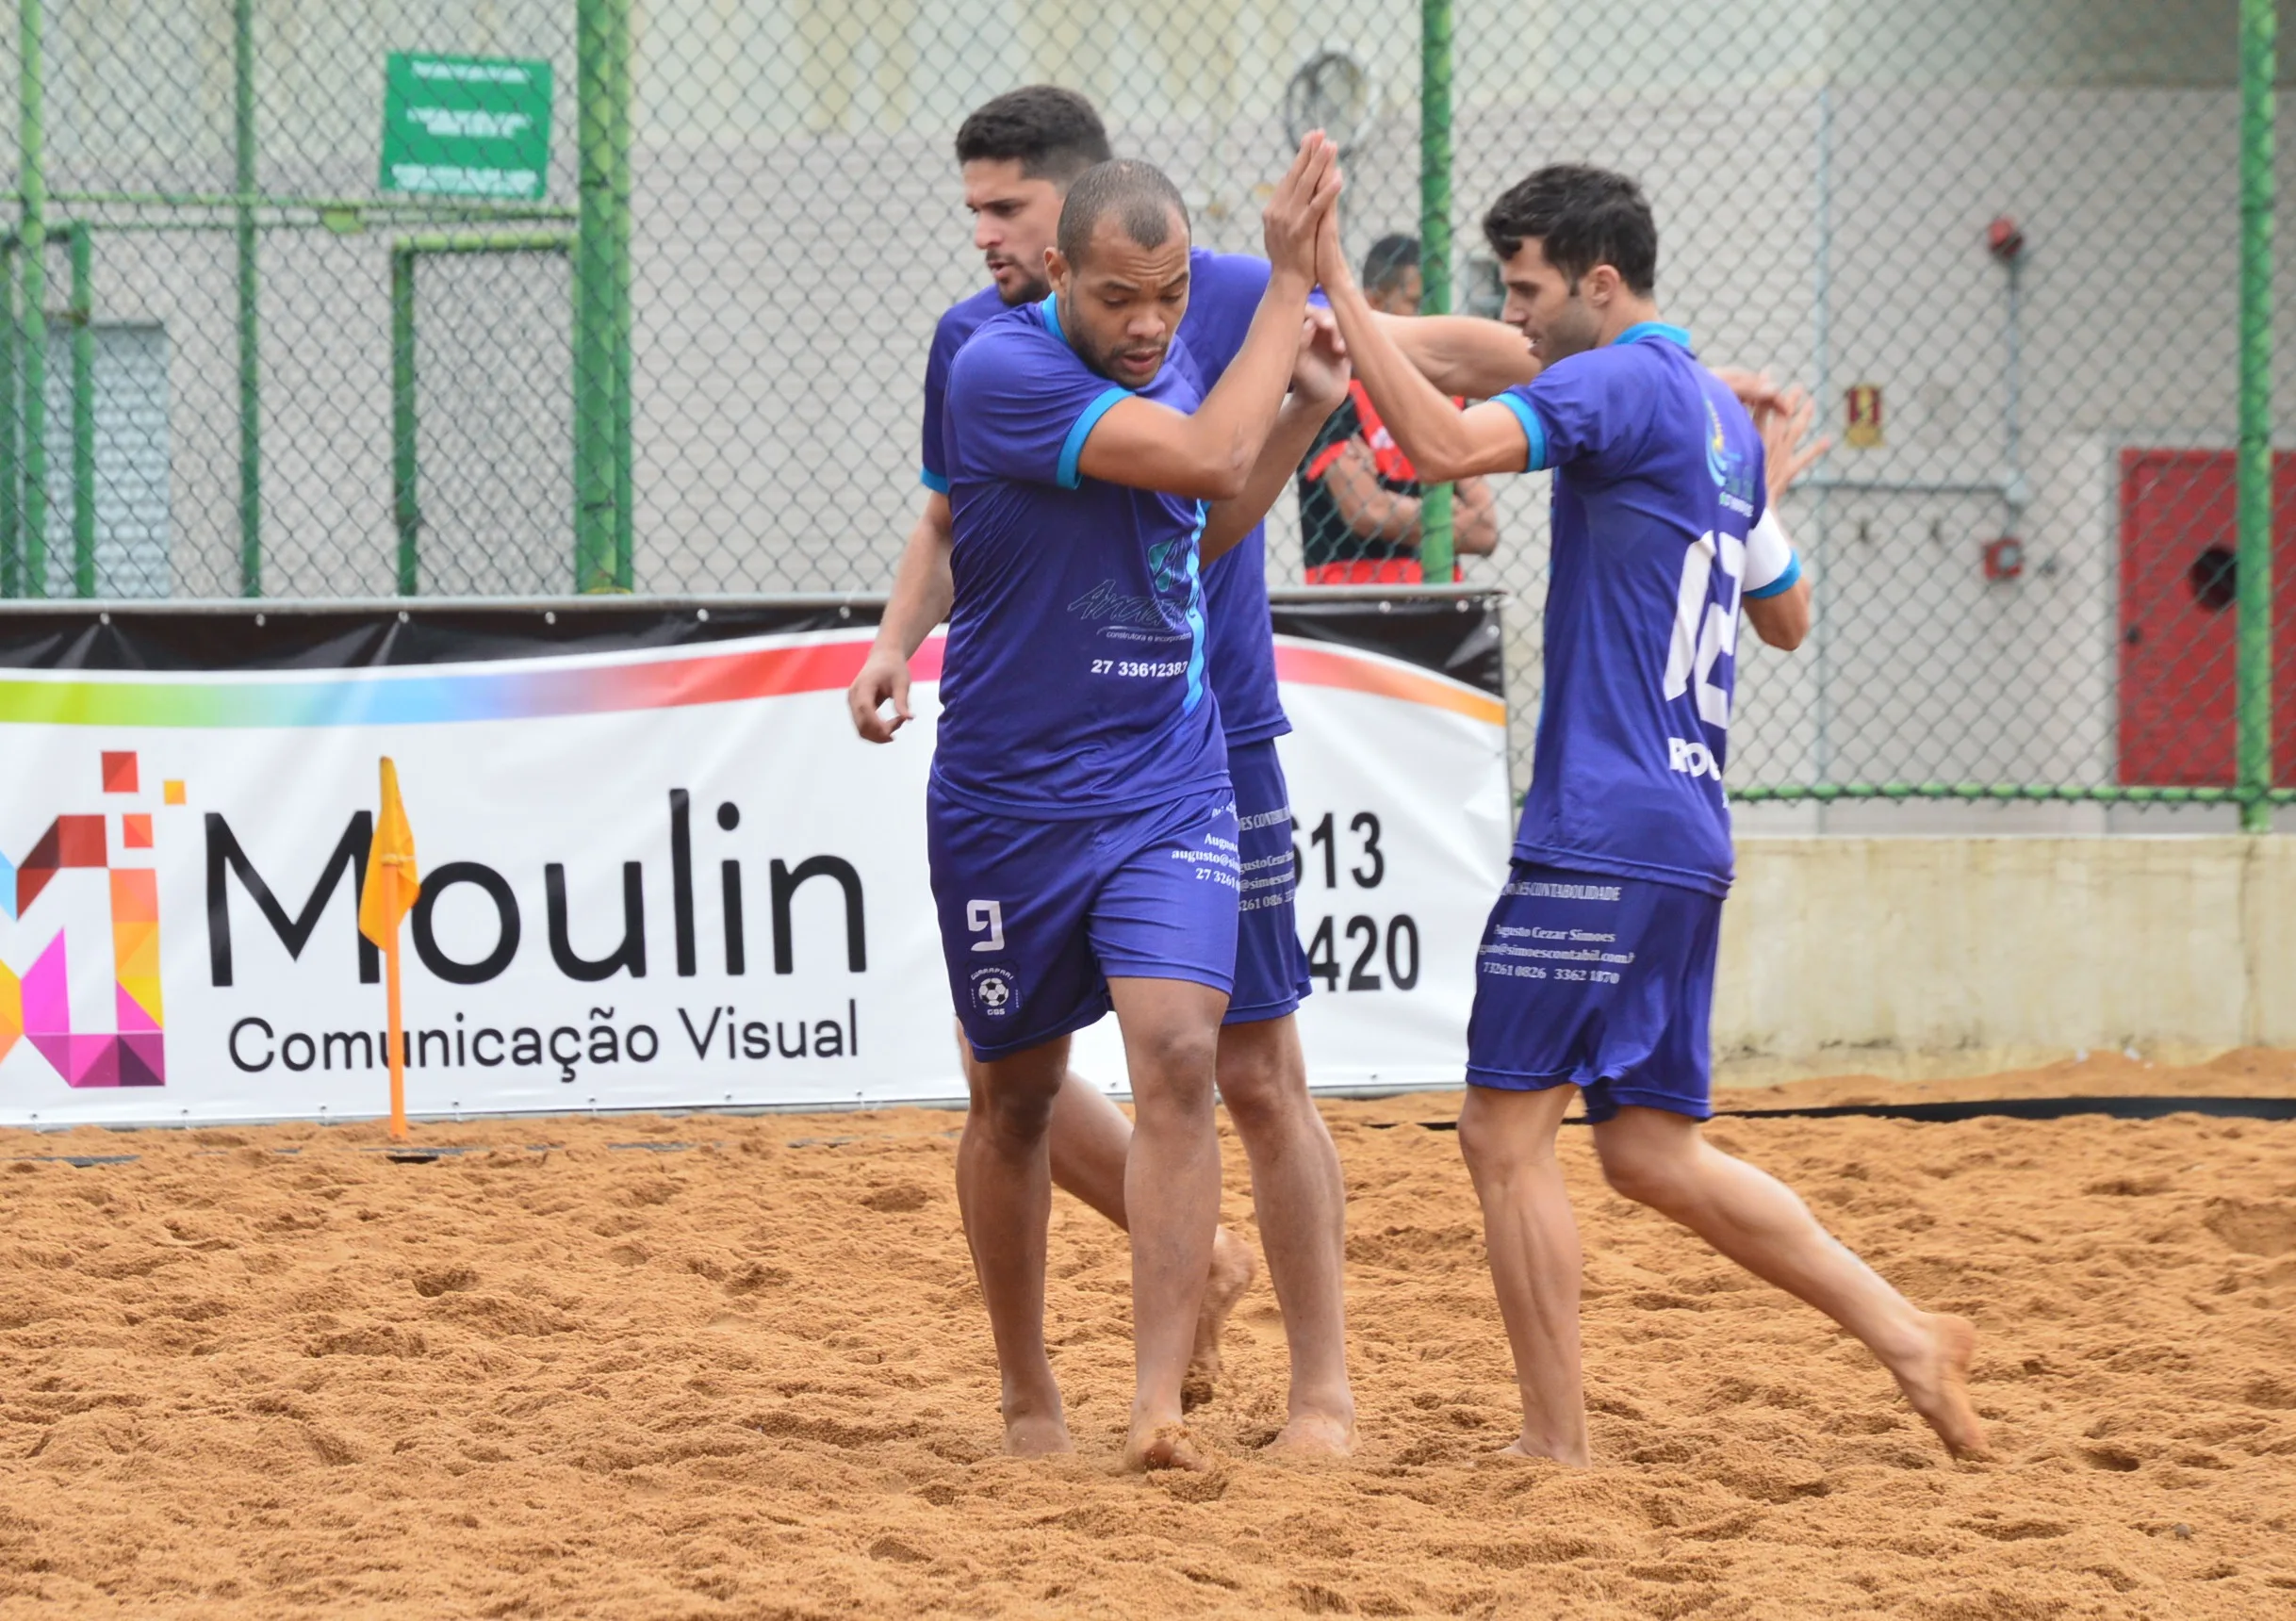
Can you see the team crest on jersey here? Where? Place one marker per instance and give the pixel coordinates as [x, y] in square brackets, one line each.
[995, 995]
[1727, 465]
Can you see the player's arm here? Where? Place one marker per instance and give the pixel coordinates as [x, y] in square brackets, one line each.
[1475, 359]
[1212, 453]
[922, 589]
[1443, 442]
[1462, 354]
[1370, 509]
[1777, 593]
[1474, 519]
[1779, 608]
[1295, 430]
[1318, 384]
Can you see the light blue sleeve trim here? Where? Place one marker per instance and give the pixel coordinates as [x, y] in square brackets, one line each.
[932, 481]
[1782, 584]
[1534, 431]
[1071, 448]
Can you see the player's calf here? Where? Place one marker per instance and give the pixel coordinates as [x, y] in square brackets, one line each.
[1507, 1138]
[1660, 1158]
[1004, 1190]
[1301, 1197]
[1171, 1190]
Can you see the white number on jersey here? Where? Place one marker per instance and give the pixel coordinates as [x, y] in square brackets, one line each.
[988, 915]
[1704, 631]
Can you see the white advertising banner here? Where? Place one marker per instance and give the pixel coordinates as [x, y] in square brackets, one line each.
[658, 868]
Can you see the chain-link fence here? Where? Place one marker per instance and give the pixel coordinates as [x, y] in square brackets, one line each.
[255, 346]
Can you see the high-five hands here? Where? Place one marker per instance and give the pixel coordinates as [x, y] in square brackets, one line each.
[1297, 210]
[1788, 451]
[1331, 257]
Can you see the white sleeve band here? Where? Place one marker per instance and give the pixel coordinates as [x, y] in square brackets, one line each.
[1769, 552]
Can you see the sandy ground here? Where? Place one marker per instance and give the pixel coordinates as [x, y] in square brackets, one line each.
[269, 1372]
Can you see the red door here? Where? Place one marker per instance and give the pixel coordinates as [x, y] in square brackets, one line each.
[2179, 583]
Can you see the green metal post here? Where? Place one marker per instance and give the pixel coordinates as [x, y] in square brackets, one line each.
[82, 317]
[2259, 25]
[32, 315]
[11, 511]
[625, 507]
[403, 468]
[602, 294]
[251, 375]
[1434, 247]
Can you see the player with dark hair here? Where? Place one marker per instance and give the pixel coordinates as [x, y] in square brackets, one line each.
[1081, 824]
[1297, 1185]
[1596, 972]
[1052, 134]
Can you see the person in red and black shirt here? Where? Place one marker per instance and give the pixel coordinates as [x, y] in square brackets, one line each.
[1359, 497]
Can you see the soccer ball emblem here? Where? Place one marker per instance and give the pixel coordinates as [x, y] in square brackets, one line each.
[994, 992]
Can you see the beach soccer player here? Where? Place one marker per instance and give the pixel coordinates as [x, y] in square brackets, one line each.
[1596, 970]
[1081, 824]
[1018, 154]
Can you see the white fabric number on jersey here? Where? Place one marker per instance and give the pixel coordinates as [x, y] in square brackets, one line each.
[1704, 631]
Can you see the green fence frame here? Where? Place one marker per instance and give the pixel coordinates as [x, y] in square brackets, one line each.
[406, 491]
[602, 552]
[1436, 555]
[2259, 64]
[603, 549]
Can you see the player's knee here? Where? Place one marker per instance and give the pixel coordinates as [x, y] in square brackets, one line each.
[1492, 1154]
[1258, 1089]
[1635, 1171]
[1019, 1114]
[1016, 1103]
[1181, 1056]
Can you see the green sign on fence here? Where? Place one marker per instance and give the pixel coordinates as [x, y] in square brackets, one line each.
[465, 126]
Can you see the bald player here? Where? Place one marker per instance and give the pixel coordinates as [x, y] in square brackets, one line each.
[1019, 154]
[1082, 827]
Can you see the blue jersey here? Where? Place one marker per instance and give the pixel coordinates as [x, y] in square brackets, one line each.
[1224, 290]
[1075, 681]
[1658, 479]
[956, 325]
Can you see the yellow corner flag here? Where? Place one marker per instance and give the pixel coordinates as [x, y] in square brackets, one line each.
[386, 898]
[391, 880]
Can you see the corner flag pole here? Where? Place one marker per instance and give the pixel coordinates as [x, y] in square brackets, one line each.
[397, 1037]
[390, 891]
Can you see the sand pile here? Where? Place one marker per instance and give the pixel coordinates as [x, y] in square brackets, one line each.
[578, 1370]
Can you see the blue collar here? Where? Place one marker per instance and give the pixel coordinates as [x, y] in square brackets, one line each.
[1646, 331]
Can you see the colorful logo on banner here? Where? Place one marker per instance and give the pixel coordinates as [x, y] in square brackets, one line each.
[36, 1006]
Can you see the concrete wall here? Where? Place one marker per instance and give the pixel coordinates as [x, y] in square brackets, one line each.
[1862, 954]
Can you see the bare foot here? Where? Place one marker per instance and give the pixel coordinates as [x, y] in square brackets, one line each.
[1164, 1446]
[1524, 1447]
[1036, 1435]
[1938, 1386]
[1316, 1436]
[1233, 1265]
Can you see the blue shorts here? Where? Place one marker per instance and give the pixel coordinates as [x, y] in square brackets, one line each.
[1599, 982]
[1270, 965]
[1035, 916]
